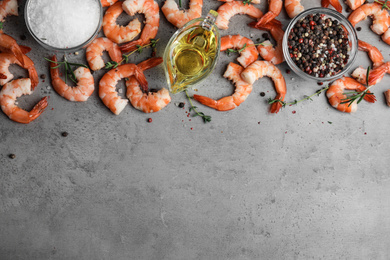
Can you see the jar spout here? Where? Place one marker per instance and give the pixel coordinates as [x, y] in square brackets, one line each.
[209, 21]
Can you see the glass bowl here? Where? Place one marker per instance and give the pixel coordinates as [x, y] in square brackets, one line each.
[352, 36]
[74, 48]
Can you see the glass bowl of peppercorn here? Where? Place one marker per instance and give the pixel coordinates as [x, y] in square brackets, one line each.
[320, 44]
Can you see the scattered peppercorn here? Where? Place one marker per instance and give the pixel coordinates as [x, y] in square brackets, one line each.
[181, 104]
[288, 71]
[320, 83]
[12, 156]
[64, 134]
[262, 94]
[23, 37]
[150, 120]
[43, 76]
[358, 29]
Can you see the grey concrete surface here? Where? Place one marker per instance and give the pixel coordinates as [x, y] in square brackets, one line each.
[307, 183]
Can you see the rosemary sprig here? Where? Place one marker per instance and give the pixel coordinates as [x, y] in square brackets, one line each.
[229, 51]
[318, 92]
[384, 4]
[68, 69]
[180, 3]
[1, 25]
[247, 2]
[113, 64]
[193, 108]
[357, 95]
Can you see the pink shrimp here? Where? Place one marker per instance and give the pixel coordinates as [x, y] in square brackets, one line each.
[229, 9]
[107, 86]
[8, 95]
[95, 50]
[335, 3]
[360, 73]
[293, 7]
[8, 7]
[147, 102]
[116, 33]
[85, 83]
[242, 91]
[275, 7]
[377, 74]
[337, 98]
[266, 49]
[152, 20]
[6, 59]
[106, 3]
[9, 44]
[354, 4]
[386, 36]
[248, 55]
[178, 17]
[259, 69]
[380, 17]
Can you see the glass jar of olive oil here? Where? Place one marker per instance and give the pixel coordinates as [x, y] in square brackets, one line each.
[192, 53]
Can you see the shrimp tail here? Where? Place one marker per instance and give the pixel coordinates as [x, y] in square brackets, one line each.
[206, 101]
[131, 46]
[39, 108]
[276, 106]
[139, 75]
[2, 76]
[150, 63]
[268, 17]
[325, 3]
[54, 72]
[268, 26]
[34, 78]
[17, 51]
[370, 98]
[336, 4]
[24, 49]
[376, 75]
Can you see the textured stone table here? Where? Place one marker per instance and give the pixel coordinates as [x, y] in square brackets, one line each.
[307, 183]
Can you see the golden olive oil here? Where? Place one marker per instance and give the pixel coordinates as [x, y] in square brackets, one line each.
[191, 54]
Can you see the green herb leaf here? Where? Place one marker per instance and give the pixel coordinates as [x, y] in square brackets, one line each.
[246, 2]
[193, 108]
[1, 25]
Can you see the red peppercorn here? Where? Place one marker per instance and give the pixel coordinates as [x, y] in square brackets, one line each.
[312, 23]
[291, 55]
[304, 25]
[150, 120]
[300, 40]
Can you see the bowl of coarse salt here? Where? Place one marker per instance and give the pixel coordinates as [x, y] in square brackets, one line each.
[63, 25]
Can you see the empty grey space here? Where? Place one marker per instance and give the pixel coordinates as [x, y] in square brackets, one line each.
[307, 183]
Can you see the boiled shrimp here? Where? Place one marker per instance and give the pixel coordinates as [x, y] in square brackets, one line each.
[336, 96]
[6, 59]
[259, 69]
[9, 44]
[380, 17]
[360, 73]
[8, 95]
[266, 49]
[335, 3]
[248, 55]
[252, 2]
[107, 86]
[293, 7]
[229, 9]
[242, 91]
[106, 3]
[178, 17]
[151, 101]
[95, 50]
[387, 96]
[354, 4]
[115, 32]
[152, 20]
[8, 7]
[386, 36]
[377, 74]
[275, 7]
[85, 83]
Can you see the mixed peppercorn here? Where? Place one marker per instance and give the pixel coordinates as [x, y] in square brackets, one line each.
[319, 45]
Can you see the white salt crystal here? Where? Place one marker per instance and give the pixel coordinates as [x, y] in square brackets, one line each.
[63, 23]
